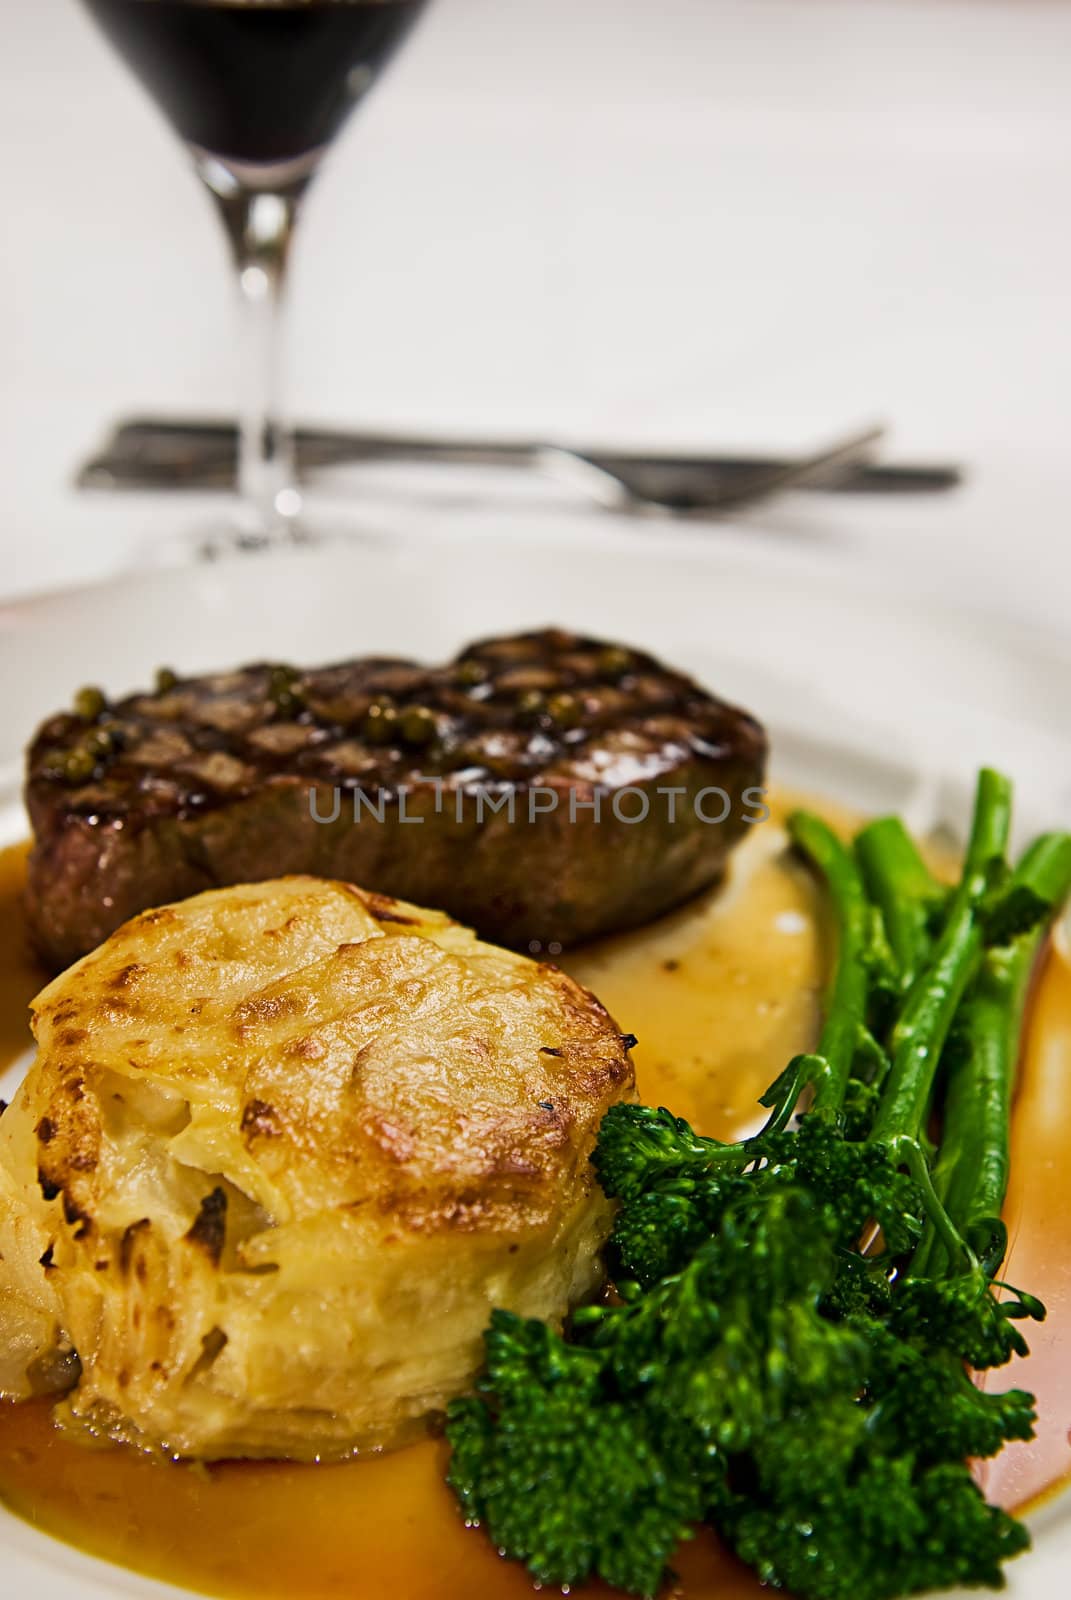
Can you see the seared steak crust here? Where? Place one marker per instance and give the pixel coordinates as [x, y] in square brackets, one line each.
[384, 772]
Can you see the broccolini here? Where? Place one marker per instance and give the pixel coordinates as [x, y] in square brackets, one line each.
[787, 1354]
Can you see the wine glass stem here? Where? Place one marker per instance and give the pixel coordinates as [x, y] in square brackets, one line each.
[259, 226]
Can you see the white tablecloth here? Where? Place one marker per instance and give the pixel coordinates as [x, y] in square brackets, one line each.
[697, 222]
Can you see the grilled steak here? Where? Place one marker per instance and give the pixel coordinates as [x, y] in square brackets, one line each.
[543, 788]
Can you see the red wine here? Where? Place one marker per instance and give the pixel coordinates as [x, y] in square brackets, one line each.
[259, 81]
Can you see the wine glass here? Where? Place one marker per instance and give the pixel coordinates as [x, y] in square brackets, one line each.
[258, 89]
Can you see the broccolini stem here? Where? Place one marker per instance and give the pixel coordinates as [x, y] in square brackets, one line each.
[937, 1218]
[902, 887]
[971, 1174]
[935, 995]
[846, 1000]
[1046, 869]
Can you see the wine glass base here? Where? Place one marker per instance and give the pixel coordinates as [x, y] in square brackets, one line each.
[218, 544]
[222, 538]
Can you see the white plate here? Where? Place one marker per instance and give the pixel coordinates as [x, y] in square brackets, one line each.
[886, 705]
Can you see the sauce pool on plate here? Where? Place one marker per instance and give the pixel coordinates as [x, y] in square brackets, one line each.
[720, 994]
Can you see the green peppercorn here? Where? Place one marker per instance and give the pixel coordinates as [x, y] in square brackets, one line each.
[79, 765]
[564, 710]
[166, 680]
[470, 673]
[284, 690]
[417, 725]
[99, 742]
[531, 703]
[380, 723]
[89, 703]
[614, 662]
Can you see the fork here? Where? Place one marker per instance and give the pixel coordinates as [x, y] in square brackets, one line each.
[152, 453]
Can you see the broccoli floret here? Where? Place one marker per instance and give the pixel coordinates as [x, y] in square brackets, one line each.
[730, 1342]
[857, 1179]
[638, 1145]
[666, 1218]
[867, 1493]
[861, 1289]
[563, 1477]
[932, 1409]
[860, 1105]
[962, 1315]
[661, 1230]
[887, 1529]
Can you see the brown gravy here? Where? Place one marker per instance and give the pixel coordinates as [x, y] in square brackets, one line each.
[721, 994]
[1038, 1214]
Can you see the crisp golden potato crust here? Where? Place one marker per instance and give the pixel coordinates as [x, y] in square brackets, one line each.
[283, 1148]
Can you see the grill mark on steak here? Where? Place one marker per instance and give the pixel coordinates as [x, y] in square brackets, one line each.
[207, 782]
